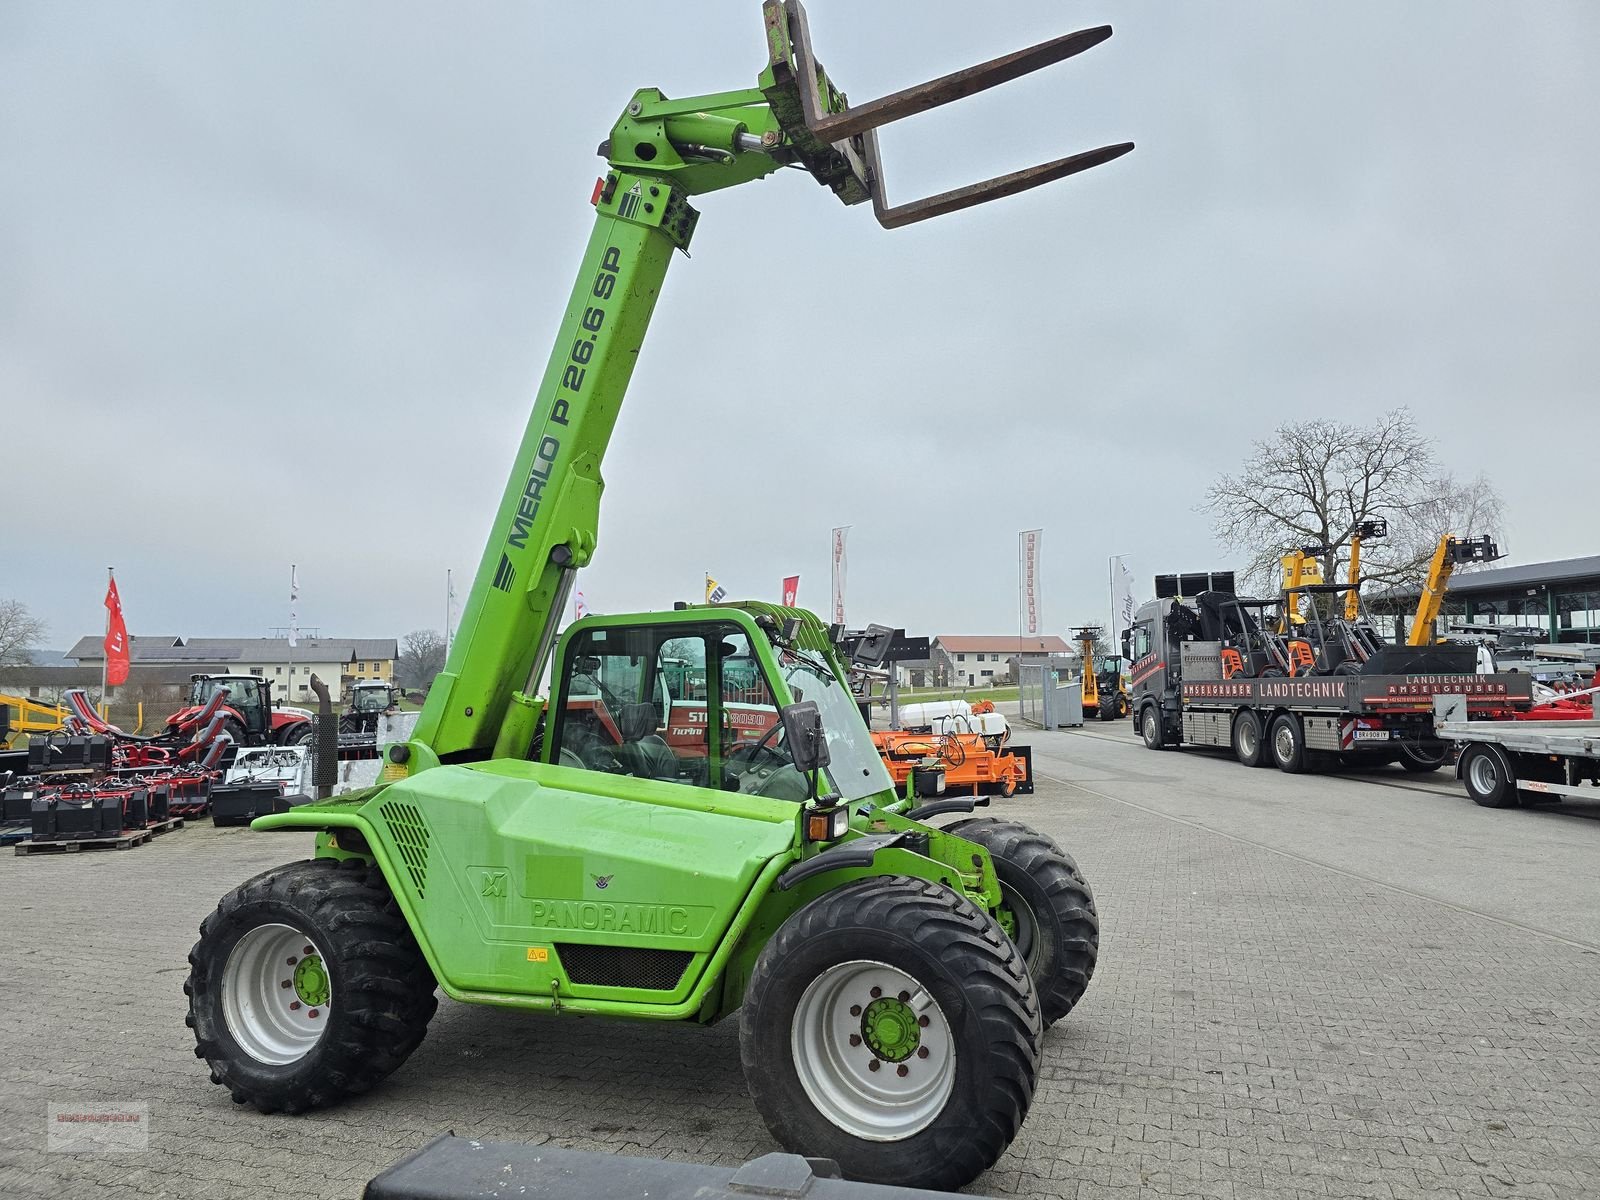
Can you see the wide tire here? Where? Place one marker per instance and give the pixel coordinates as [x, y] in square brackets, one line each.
[287, 1030]
[1050, 904]
[1150, 728]
[936, 1120]
[1488, 778]
[1288, 741]
[1249, 740]
[1422, 762]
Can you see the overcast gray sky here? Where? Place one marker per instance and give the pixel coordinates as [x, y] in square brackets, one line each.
[277, 281]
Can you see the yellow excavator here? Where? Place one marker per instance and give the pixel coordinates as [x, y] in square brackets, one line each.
[1104, 693]
[1450, 553]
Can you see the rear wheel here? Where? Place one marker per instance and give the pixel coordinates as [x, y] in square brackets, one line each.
[298, 735]
[306, 986]
[892, 1026]
[1288, 739]
[1420, 760]
[1488, 777]
[1048, 909]
[1249, 747]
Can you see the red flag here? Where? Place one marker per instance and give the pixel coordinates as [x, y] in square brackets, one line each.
[116, 639]
[791, 590]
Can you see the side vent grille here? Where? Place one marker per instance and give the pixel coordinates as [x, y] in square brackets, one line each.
[410, 834]
[623, 966]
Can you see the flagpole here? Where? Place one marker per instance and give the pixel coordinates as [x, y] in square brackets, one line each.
[449, 590]
[105, 655]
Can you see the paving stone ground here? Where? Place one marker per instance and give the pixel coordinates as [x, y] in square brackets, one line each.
[1280, 1011]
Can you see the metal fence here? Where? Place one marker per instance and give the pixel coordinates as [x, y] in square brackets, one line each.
[1044, 702]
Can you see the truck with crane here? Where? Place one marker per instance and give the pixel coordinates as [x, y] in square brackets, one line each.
[1212, 668]
[894, 977]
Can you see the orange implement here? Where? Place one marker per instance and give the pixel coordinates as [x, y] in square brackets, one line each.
[968, 762]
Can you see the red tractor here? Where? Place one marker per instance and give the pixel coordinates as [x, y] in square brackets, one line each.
[247, 713]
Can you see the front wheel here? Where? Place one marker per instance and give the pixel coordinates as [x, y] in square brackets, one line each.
[1048, 909]
[1150, 729]
[306, 986]
[891, 1026]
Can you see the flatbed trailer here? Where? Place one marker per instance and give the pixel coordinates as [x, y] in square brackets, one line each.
[1379, 714]
[1506, 763]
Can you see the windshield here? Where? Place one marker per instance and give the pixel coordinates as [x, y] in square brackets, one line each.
[855, 768]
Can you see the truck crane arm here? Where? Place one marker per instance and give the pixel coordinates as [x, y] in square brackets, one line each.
[660, 153]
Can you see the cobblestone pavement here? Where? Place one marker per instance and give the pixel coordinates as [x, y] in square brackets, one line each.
[1278, 1013]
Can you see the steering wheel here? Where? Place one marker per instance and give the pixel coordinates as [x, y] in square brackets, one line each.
[754, 750]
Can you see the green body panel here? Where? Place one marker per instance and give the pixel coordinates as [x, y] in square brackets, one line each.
[497, 867]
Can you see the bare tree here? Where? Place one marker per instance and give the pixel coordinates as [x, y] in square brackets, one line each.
[20, 633]
[1313, 482]
[421, 658]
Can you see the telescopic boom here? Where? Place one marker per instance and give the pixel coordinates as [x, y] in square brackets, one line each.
[659, 154]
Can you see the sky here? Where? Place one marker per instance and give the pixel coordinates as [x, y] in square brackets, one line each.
[277, 281]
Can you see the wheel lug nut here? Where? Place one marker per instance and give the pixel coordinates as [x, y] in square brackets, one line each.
[855, 1039]
[904, 996]
[922, 1052]
[285, 983]
[293, 960]
[313, 1014]
[310, 950]
[876, 992]
[293, 1005]
[874, 1065]
[902, 1070]
[855, 1010]
[922, 1021]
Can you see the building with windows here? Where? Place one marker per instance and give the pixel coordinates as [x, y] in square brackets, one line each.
[973, 661]
[339, 662]
[1560, 599]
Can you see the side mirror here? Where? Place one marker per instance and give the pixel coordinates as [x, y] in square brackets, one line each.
[802, 729]
[1127, 644]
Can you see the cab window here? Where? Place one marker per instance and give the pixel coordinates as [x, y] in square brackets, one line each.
[1141, 641]
[677, 704]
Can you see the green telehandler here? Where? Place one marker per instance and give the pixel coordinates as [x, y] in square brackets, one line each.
[694, 821]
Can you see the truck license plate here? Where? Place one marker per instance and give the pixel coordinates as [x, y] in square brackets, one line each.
[1372, 735]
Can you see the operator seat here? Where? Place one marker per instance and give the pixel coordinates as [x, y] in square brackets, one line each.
[645, 751]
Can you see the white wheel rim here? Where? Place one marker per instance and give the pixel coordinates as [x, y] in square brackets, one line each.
[916, 1068]
[1247, 739]
[1484, 776]
[1284, 743]
[1150, 726]
[276, 994]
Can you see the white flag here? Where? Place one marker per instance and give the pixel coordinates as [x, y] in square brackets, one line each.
[1122, 598]
[1030, 578]
[841, 564]
[294, 606]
